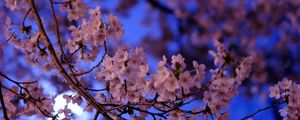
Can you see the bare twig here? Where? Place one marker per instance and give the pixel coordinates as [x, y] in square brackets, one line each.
[262, 109]
[3, 104]
[56, 30]
[27, 13]
[16, 82]
[96, 115]
[74, 52]
[96, 90]
[94, 67]
[66, 2]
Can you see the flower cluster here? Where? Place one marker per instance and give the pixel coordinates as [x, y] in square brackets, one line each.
[126, 75]
[76, 9]
[75, 99]
[14, 4]
[130, 87]
[129, 74]
[66, 111]
[177, 82]
[31, 47]
[32, 96]
[289, 92]
[222, 88]
[93, 32]
[219, 56]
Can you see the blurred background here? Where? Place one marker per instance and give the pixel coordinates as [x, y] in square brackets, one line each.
[265, 29]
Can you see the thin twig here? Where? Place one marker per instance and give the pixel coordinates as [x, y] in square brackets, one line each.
[74, 52]
[42, 110]
[56, 29]
[94, 67]
[16, 82]
[19, 84]
[96, 90]
[3, 104]
[66, 2]
[262, 109]
[96, 115]
[27, 13]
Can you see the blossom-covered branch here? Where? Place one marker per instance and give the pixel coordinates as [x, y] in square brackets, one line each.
[121, 84]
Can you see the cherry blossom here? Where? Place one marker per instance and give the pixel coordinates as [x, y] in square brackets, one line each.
[285, 83]
[67, 112]
[219, 56]
[290, 96]
[178, 62]
[64, 48]
[12, 4]
[115, 27]
[275, 92]
[76, 9]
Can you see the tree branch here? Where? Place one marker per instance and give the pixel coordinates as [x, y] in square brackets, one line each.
[96, 115]
[56, 29]
[262, 109]
[158, 5]
[3, 104]
[16, 82]
[59, 66]
[42, 110]
[94, 67]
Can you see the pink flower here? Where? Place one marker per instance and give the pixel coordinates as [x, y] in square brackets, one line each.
[68, 98]
[95, 13]
[105, 75]
[220, 54]
[275, 92]
[115, 27]
[178, 62]
[285, 83]
[244, 69]
[200, 71]
[12, 4]
[121, 55]
[77, 99]
[176, 115]
[100, 97]
[186, 80]
[171, 83]
[67, 112]
[76, 9]
[71, 46]
[150, 87]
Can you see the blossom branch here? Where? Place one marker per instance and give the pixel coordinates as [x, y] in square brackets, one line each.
[16, 82]
[56, 30]
[42, 110]
[19, 84]
[59, 66]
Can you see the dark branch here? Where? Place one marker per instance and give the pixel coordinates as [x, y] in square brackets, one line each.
[3, 104]
[158, 5]
[96, 90]
[94, 67]
[262, 109]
